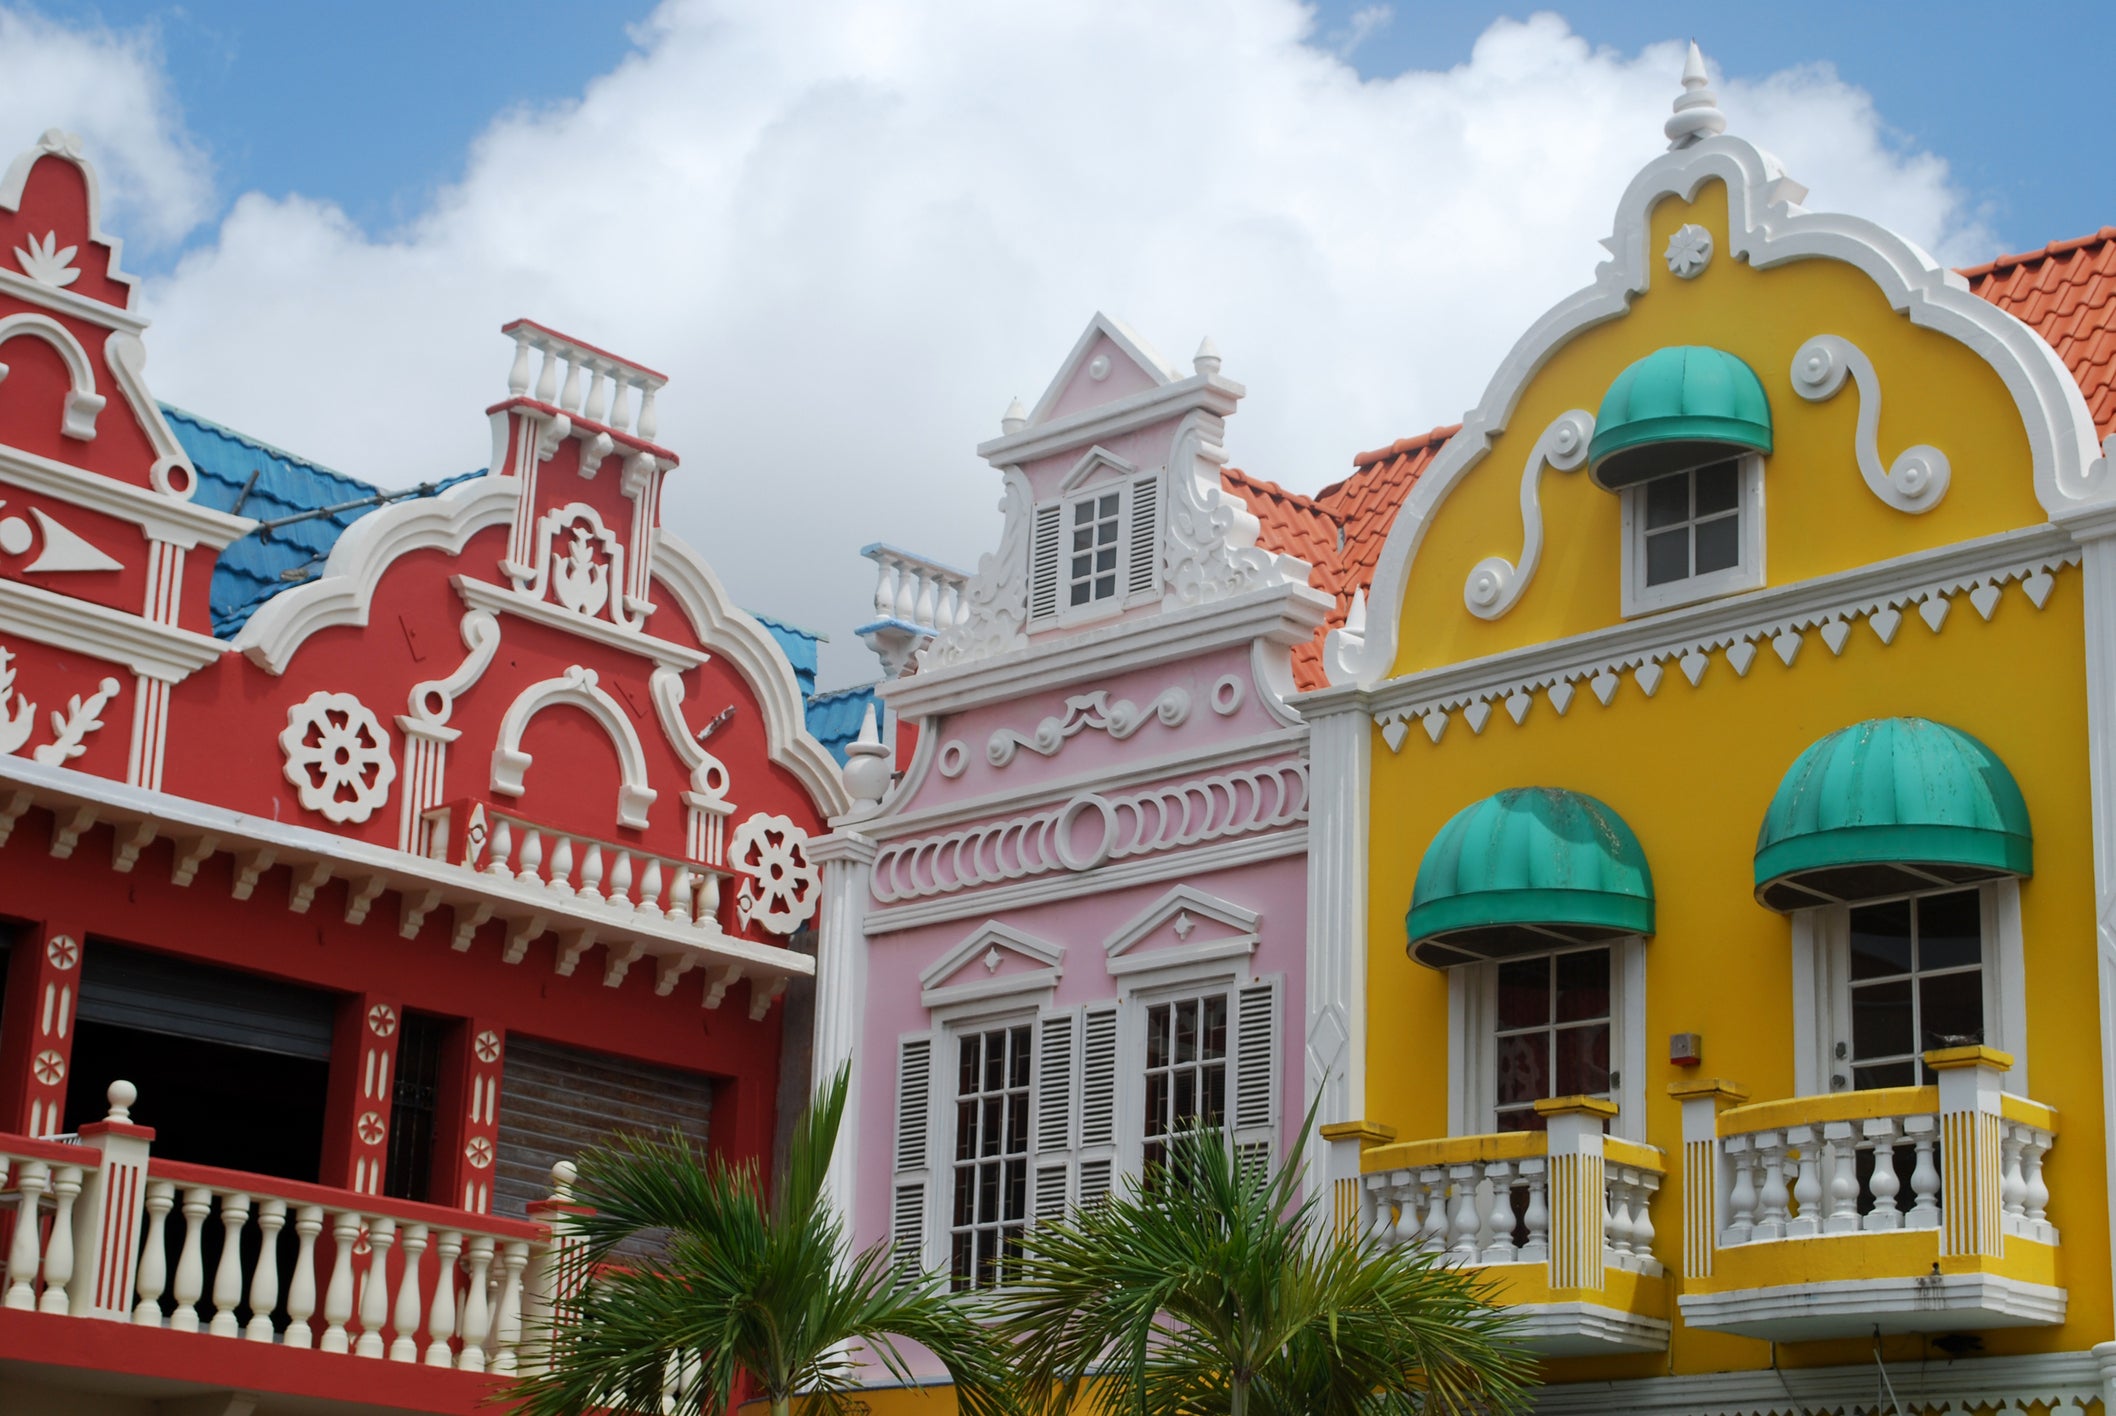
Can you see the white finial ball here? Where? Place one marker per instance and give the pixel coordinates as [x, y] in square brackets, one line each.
[1207, 360]
[121, 1094]
[1696, 116]
[1014, 419]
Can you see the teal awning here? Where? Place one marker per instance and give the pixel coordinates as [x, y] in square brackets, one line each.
[1678, 407]
[1889, 806]
[1533, 868]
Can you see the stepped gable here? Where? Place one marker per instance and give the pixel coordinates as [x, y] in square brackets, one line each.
[2066, 292]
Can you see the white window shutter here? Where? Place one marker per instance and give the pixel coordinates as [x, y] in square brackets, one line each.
[914, 1109]
[1046, 555]
[1143, 575]
[1056, 1074]
[1256, 1069]
[1098, 1100]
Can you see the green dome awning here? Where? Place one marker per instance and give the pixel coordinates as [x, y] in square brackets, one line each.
[1678, 407]
[1530, 869]
[1889, 806]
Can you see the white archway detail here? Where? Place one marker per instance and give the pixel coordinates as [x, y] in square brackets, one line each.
[83, 403]
[577, 686]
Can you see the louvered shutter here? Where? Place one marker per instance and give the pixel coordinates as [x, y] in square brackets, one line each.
[1046, 554]
[914, 1096]
[1256, 1072]
[1054, 1113]
[1098, 1100]
[1143, 574]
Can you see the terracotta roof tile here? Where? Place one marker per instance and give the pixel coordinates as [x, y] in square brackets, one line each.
[2066, 292]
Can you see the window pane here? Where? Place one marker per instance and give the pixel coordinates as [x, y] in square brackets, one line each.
[1216, 1025]
[1105, 587]
[1084, 538]
[1523, 1068]
[1718, 487]
[1667, 556]
[1157, 1035]
[995, 1062]
[1524, 993]
[1106, 560]
[1880, 940]
[1080, 593]
[1583, 1061]
[1108, 506]
[1881, 1019]
[1892, 1074]
[966, 1070]
[1186, 1096]
[1018, 1045]
[1524, 1119]
[1667, 501]
[965, 1130]
[1018, 1120]
[1157, 1104]
[1950, 930]
[1583, 986]
[1718, 544]
[1083, 514]
[1951, 1010]
[1214, 1110]
[1187, 1031]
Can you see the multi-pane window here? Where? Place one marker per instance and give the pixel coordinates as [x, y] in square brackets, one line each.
[1092, 568]
[1186, 1069]
[1917, 983]
[1692, 523]
[1553, 1035]
[991, 1205]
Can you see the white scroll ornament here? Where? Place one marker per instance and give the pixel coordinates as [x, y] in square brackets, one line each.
[1496, 583]
[1917, 479]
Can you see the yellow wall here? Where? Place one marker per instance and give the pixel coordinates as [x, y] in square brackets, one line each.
[1692, 769]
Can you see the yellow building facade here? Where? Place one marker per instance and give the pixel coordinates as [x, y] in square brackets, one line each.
[1713, 820]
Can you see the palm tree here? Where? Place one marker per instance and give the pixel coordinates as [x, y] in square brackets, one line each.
[732, 1286]
[1207, 1288]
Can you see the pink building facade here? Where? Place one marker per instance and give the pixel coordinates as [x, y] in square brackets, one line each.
[1075, 920]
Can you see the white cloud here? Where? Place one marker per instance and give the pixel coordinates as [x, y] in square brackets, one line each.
[109, 87]
[850, 232]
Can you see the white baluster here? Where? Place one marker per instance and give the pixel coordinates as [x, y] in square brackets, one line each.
[907, 594]
[590, 873]
[154, 1258]
[645, 424]
[58, 1250]
[1843, 1198]
[501, 845]
[708, 898]
[338, 1298]
[374, 1289]
[1807, 1189]
[531, 868]
[1616, 1218]
[441, 1312]
[680, 895]
[569, 396]
[1884, 1185]
[650, 887]
[2012, 1185]
[885, 588]
[24, 1254]
[561, 875]
[477, 1310]
[620, 891]
[1410, 1212]
[1741, 1195]
[547, 378]
[597, 392]
[1643, 1186]
[1535, 1219]
[1499, 1215]
[264, 1279]
[301, 1293]
[1433, 1235]
[227, 1274]
[507, 1324]
[405, 1321]
[1384, 1221]
[1466, 1220]
[190, 1261]
[518, 376]
[620, 411]
[1924, 1175]
[923, 613]
[1771, 1203]
[2034, 1204]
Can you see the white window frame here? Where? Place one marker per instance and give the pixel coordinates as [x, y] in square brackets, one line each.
[1747, 573]
[1472, 1027]
[1822, 987]
[1098, 474]
[1135, 994]
[947, 1045]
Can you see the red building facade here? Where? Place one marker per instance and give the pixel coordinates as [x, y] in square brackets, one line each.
[326, 936]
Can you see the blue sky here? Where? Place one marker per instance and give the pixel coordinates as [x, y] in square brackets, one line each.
[375, 107]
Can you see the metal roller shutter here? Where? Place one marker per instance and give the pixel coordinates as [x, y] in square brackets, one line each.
[557, 1101]
[156, 993]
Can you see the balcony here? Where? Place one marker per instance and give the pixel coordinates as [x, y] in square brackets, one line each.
[1910, 1209]
[120, 1266]
[1559, 1224]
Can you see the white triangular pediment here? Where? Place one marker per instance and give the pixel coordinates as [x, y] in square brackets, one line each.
[997, 958]
[1096, 462]
[1108, 363]
[1184, 925]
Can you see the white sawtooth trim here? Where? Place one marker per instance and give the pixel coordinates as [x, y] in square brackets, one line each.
[160, 651]
[1766, 227]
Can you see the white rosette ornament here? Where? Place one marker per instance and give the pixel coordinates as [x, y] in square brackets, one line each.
[338, 756]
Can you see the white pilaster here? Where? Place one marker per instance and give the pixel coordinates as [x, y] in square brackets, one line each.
[1340, 757]
[2098, 576]
[847, 859]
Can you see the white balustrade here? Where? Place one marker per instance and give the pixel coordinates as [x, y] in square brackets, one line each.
[625, 881]
[1499, 1211]
[914, 600]
[618, 393]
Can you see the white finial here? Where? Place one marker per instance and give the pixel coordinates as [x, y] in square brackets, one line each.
[867, 771]
[1014, 419]
[1697, 114]
[563, 1174]
[121, 1095]
[1207, 359]
[1356, 617]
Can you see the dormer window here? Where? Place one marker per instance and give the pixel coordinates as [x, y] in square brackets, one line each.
[1693, 534]
[1096, 547]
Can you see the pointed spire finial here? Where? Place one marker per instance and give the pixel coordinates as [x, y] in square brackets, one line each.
[1696, 116]
[1014, 419]
[1207, 359]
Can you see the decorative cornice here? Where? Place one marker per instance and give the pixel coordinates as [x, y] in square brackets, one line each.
[500, 599]
[158, 651]
[164, 518]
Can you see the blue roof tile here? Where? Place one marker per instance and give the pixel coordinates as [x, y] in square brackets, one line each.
[799, 647]
[834, 718]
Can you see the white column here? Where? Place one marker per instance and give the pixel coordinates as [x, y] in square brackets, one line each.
[1340, 748]
[847, 859]
[2098, 585]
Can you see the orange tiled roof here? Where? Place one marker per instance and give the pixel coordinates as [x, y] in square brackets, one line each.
[2066, 292]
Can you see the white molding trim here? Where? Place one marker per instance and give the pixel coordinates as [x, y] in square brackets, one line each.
[2058, 1380]
[499, 599]
[77, 420]
[1181, 900]
[1207, 951]
[995, 933]
[55, 142]
[1069, 885]
[344, 593]
[1766, 227]
[1096, 456]
[1586, 1329]
[1794, 1312]
[577, 688]
[157, 651]
[745, 643]
[163, 518]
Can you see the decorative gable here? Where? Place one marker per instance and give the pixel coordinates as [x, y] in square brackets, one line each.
[1185, 926]
[997, 961]
[1109, 363]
